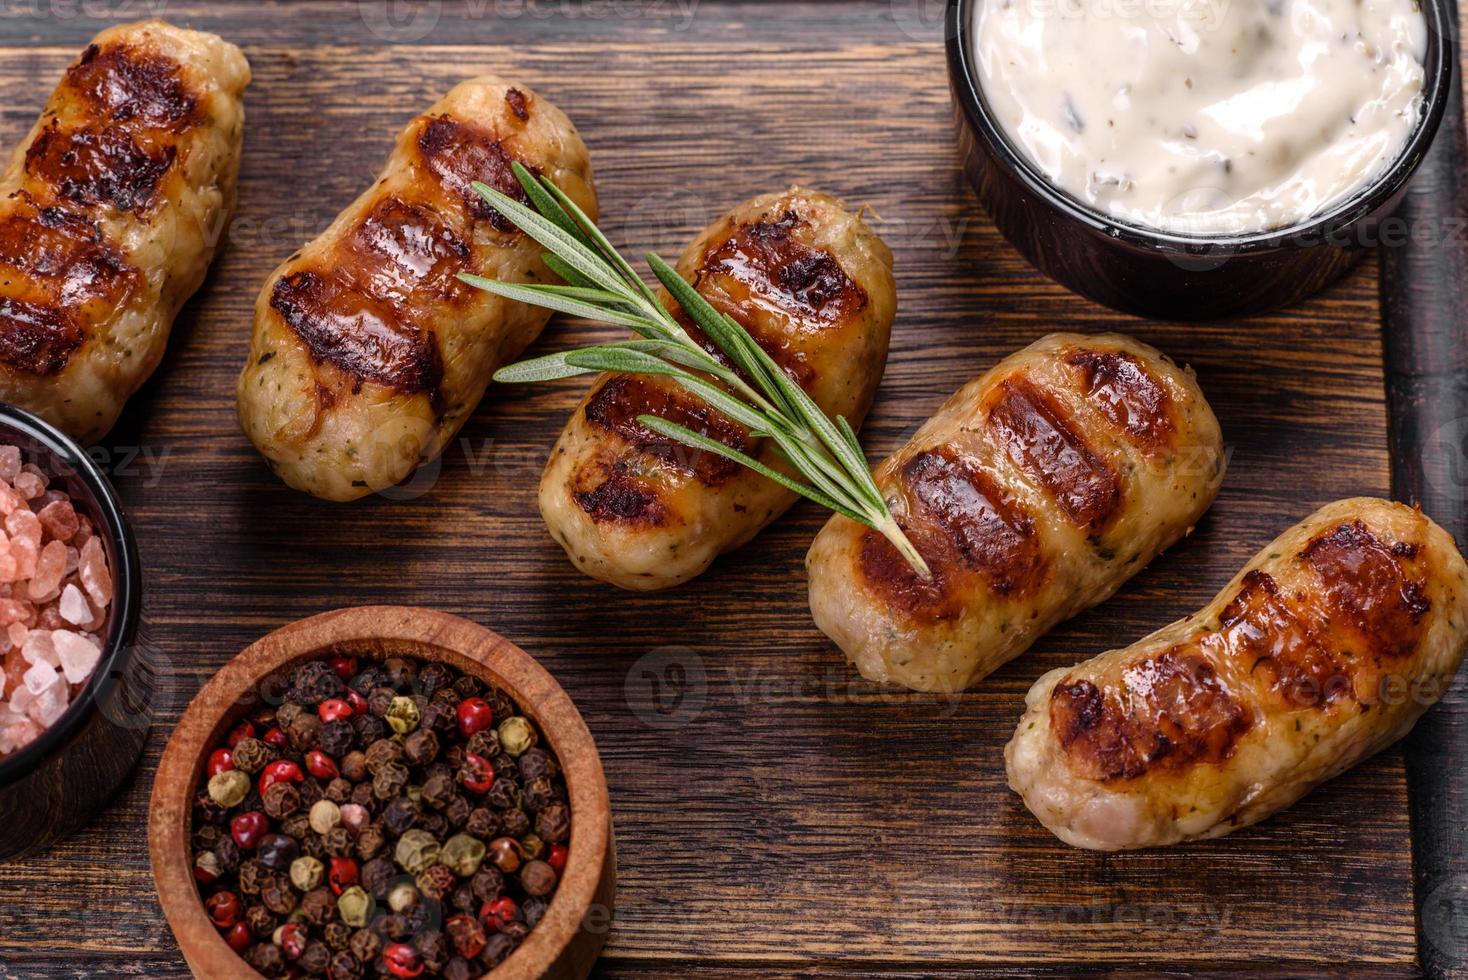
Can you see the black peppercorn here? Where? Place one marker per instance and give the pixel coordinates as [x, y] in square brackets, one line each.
[354, 766]
[553, 823]
[339, 791]
[228, 853]
[438, 791]
[392, 925]
[365, 945]
[368, 729]
[539, 793]
[260, 921]
[367, 678]
[381, 753]
[298, 825]
[488, 883]
[457, 811]
[311, 791]
[400, 816]
[208, 811]
[438, 717]
[288, 713]
[536, 763]
[252, 755]
[532, 910]
[458, 968]
[363, 797]
[433, 948]
[400, 672]
[281, 800]
[482, 823]
[466, 687]
[496, 949]
[337, 934]
[277, 851]
[431, 677]
[337, 737]
[421, 747]
[304, 732]
[389, 779]
[504, 706]
[314, 845]
[266, 958]
[463, 899]
[453, 756]
[437, 882]
[314, 682]
[380, 700]
[251, 875]
[315, 958]
[514, 823]
[338, 842]
[435, 823]
[375, 875]
[278, 895]
[206, 836]
[485, 744]
[345, 966]
[370, 843]
[318, 906]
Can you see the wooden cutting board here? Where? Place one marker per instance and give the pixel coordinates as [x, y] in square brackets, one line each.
[774, 812]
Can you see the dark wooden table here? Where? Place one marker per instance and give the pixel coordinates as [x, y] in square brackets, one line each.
[774, 813]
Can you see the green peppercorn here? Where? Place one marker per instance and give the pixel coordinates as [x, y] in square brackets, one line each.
[532, 845]
[416, 851]
[402, 715]
[306, 873]
[516, 735]
[325, 815]
[229, 788]
[463, 854]
[353, 906]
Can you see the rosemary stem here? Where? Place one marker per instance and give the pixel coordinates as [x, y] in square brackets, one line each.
[893, 533]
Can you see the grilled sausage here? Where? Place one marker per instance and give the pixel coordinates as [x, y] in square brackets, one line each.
[813, 286]
[368, 354]
[110, 212]
[1327, 647]
[1035, 492]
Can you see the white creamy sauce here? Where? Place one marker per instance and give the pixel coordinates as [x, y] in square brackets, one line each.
[1205, 117]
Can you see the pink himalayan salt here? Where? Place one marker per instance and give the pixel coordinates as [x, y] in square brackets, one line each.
[78, 655]
[45, 656]
[73, 606]
[93, 572]
[59, 519]
[50, 567]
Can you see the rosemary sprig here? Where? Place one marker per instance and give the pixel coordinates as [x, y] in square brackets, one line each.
[601, 285]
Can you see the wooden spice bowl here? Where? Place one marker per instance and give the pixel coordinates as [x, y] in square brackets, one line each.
[564, 944]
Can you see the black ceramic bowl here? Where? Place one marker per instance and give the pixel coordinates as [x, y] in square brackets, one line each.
[54, 785]
[1170, 276]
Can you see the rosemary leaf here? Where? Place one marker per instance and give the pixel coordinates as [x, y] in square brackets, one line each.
[688, 437]
[580, 257]
[543, 296]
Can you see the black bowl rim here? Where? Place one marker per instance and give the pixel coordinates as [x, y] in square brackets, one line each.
[1438, 72]
[126, 587]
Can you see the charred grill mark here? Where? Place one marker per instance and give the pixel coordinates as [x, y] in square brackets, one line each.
[515, 99]
[98, 166]
[128, 85]
[405, 253]
[363, 336]
[616, 405]
[614, 494]
[1265, 636]
[1364, 584]
[37, 337]
[963, 523]
[459, 154]
[64, 255]
[1169, 712]
[1129, 397]
[1035, 431]
[777, 270]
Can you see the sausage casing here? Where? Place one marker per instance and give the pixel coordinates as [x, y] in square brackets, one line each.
[1326, 648]
[368, 352]
[110, 212]
[813, 286]
[1034, 492]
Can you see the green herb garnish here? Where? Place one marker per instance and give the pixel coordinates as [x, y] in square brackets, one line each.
[602, 286]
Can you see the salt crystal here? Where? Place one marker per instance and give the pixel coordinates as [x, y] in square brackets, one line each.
[49, 570]
[21, 699]
[59, 518]
[25, 552]
[22, 523]
[29, 485]
[73, 559]
[93, 571]
[78, 654]
[49, 705]
[10, 462]
[73, 607]
[41, 677]
[14, 671]
[40, 648]
[13, 611]
[17, 732]
[17, 633]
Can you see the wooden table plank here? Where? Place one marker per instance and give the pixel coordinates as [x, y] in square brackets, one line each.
[783, 813]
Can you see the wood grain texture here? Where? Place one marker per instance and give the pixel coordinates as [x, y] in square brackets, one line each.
[773, 812]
